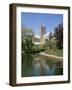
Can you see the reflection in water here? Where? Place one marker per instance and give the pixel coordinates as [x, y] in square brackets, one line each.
[37, 69]
[35, 65]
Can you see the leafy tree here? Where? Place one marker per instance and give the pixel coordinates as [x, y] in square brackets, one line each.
[27, 32]
[27, 45]
[59, 36]
[50, 36]
[27, 35]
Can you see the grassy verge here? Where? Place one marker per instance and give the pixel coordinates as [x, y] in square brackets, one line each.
[56, 52]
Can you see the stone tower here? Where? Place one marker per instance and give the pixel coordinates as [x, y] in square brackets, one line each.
[43, 30]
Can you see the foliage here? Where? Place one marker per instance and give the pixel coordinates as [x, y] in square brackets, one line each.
[27, 35]
[27, 32]
[38, 48]
[51, 44]
[59, 36]
[27, 44]
[50, 36]
[46, 42]
[55, 43]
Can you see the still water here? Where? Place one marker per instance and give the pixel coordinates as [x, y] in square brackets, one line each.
[36, 65]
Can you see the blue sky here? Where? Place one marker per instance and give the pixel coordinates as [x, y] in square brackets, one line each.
[35, 20]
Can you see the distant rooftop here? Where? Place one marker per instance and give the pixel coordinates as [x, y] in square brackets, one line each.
[37, 36]
[47, 34]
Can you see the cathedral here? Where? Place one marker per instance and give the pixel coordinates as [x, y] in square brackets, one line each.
[40, 39]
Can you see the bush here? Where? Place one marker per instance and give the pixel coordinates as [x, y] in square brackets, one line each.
[38, 48]
[52, 44]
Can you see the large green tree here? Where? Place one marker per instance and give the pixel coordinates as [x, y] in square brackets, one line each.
[27, 35]
[58, 34]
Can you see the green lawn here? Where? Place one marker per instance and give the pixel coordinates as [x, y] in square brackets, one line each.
[56, 52]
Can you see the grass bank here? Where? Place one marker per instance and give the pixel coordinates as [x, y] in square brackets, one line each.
[56, 52]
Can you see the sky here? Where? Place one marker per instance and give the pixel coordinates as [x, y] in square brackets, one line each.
[35, 20]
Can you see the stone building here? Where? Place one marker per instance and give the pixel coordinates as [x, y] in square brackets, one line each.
[40, 39]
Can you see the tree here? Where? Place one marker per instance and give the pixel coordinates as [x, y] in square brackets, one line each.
[50, 36]
[58, 34]
[26, 32]
[27, 35]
